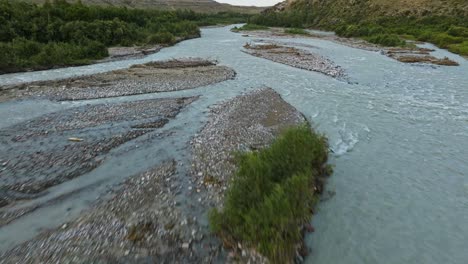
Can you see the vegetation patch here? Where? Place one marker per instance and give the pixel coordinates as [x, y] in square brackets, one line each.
[460, 48]
[272, 194]
[296, 31]
[389, 40]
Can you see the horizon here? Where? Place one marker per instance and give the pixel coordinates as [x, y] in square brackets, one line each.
[250, 2]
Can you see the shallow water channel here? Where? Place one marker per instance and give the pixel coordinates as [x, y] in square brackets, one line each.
[399, 134]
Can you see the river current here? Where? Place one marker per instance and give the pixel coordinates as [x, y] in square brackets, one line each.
[399, 135]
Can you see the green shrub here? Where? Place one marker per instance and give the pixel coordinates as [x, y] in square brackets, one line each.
[458, 31]
[183, 28]
[161, 37]
[443, 39]
[461, 48]
[272, 194]
[26, 48]
[27, 54]
[388, 40]
[93, 49]
[376, 30]
[296, 31]
[351, 31]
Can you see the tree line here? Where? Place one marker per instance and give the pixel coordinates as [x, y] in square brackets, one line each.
[59, 33]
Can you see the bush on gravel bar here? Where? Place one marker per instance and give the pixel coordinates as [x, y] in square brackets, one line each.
[272, 194]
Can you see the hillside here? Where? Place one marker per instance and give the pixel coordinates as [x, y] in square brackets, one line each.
[384, 22]
[334, 11]
[206, 6]
[416, 7]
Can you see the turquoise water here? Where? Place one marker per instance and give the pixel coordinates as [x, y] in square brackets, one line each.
[399, 133]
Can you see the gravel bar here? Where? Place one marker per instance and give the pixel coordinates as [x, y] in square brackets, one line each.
[153, 77]
[295, 57]
[246, 123]
[150, 218]
[48, 150]
[139, 224]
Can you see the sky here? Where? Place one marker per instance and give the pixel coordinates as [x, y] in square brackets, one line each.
[250, 2]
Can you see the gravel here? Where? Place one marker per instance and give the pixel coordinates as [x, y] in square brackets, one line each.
[139, 224]
[166, 76]
[152, 216]
[89, 116]
[57, 147]
[246, 123]
[295, 57]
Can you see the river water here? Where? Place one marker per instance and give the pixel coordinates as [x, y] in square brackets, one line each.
[399, 133]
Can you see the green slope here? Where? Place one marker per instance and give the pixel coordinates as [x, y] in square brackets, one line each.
[442, 22]
[338, 9]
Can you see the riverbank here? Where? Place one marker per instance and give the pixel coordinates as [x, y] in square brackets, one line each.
[145, 219]
[162, 76]
[406, 54]
[137, 52]
[388, 23]
[117, 53]
[125, 53]
[52, 35]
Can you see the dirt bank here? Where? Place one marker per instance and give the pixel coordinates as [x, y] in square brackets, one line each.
[124, 53]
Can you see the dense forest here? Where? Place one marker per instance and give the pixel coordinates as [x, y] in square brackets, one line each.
[59, 33]
[449, 31]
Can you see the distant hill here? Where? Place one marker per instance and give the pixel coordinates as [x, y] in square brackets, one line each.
[205, 6]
